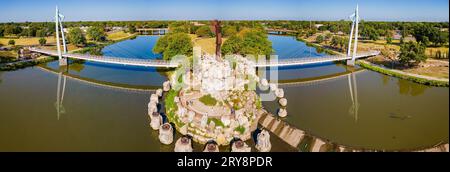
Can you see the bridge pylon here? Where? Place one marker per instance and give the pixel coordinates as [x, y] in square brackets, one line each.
[59, 28]
[355, 24]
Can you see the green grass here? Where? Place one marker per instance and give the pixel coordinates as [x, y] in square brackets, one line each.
[402, 76]
[240, 129]
[208, 100]
[216, 121]
[171, 107]
[8, 56]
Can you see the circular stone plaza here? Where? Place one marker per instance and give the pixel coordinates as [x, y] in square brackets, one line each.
[213, 103]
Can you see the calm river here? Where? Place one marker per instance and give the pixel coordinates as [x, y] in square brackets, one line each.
[104, 107]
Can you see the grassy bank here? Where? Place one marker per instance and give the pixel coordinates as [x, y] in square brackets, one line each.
[402, 76]
[26, 63]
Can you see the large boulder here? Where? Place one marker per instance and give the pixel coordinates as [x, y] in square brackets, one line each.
[264, 82]
[211, 147]
[282, 112]
[159, 92]
[263, 142]
[152, 108]
[240, 146]
[273, 87]
[166, 134]
[279, 92]
[166, 86]
[154, 98]
[283, 102]
[155, 120]
[225, 120]
[183, 144]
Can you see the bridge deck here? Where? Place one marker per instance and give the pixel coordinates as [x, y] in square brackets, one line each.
[111, 60]
[167, 64]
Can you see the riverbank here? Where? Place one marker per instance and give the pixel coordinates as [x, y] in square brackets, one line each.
[25, 63]
[426, 80]
[95, 48]
[418, 78]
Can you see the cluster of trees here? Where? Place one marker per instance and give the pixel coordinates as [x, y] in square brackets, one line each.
[174, 44]
[76, 37]
[248, 42]
[27, 29]
[204, 31]
[428, 34]
[339, 43]
[244, 37]
[412, 53]
[96, 33]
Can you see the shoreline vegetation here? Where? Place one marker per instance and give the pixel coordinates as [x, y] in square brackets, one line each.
[326, 37]
[94, 47]
[421, 79]
[417, 78]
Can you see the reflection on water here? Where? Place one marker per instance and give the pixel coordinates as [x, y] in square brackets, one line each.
[406, 88]
[60, 95]
[354, 95]
[103, 107]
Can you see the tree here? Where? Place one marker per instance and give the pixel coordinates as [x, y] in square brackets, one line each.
[76, 37]
[96, 34]
[412, 53]
[388, 36]
[42, 41]
[232, 45]
[425, 33]
[204, 31]
[132, 29]
[174, 44]
[11, 42]
[229, 31]
[319, 39]
[328, 36]
[248, 42]
[2, 31]
[40, 33]
[12, 29]
[442, 39]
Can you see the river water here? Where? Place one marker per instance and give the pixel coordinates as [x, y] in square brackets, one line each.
[103, 107]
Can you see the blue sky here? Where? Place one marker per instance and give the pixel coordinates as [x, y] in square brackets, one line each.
[76, 10]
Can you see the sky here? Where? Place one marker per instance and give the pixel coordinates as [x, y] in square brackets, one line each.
[106, 10]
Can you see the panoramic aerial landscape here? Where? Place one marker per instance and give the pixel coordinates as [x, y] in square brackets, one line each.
[208, 76]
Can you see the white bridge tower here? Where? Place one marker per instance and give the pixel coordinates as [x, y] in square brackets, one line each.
[59, 28]
[355, 23]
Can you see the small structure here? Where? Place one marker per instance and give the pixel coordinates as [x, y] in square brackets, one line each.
[155, 120]
[240, 146]
[211, 146]
[263, 141]
[183, 144]
[166, 134]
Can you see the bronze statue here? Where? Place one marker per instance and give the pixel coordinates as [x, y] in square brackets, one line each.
[217, 29]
